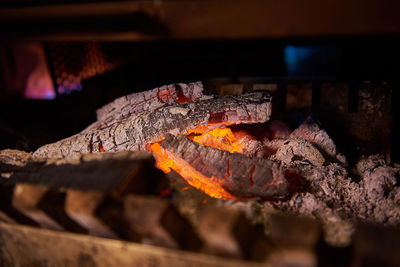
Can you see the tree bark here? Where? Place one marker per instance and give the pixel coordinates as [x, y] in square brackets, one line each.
[149, 126]
[133, 104]
[238, 174]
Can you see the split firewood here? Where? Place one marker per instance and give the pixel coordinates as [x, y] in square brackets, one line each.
[137, 131]
[222, 174]
[133, 104]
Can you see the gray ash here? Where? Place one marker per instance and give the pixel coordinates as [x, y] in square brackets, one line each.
[332, 195]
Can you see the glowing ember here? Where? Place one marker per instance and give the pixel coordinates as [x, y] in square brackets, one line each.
[162, 161]
[210, 186]
[221, 138]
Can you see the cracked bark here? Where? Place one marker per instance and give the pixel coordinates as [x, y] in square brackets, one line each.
[151, 125]
[238, 174]
[133, 104]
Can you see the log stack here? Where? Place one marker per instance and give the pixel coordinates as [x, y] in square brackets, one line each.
[295, 201]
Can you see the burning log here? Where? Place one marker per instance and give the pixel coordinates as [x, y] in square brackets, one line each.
[150, 126]
[222, 174]
[133, 104]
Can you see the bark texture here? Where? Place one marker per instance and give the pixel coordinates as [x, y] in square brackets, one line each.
[133, 104]
[151, 125]
[240, 175]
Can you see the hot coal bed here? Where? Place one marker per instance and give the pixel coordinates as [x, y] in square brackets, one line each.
[232, 171]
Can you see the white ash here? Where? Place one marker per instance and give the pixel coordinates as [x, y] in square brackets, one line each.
[374, 199]
[331, 194]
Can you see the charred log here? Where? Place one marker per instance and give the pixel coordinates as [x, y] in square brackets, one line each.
[235, 173]
[133, 104]
[150, 126]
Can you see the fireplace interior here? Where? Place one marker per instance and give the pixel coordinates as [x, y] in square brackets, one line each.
[308, 177]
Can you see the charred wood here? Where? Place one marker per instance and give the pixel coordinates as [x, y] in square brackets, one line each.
[238, 174]
[150, 126]
[133, 104]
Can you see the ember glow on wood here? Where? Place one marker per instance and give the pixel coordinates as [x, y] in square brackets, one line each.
[142, 120]
[296, 171]
[209, 185]
[220, 138]
[192, 134]
[130, 105]
[153, 123]
[222, 174]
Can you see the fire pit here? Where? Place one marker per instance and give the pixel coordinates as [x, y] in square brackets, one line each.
[244, 163]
